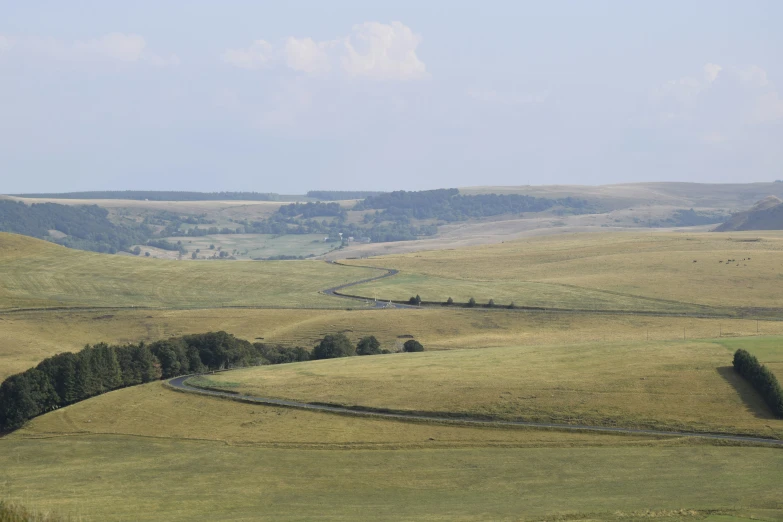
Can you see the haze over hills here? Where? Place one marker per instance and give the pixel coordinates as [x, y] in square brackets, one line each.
[193, 225]
[767, 214]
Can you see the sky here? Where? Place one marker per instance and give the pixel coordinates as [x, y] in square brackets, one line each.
[385, 95]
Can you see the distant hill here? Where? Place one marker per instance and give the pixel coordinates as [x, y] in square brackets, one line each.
[158, 195]
[767, 214]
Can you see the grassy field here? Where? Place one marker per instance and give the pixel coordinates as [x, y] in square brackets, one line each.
[620, 271]
[40, 274]
[671, 385]
[149, 453]
[28, 337]
[258, 245]
[175, 456]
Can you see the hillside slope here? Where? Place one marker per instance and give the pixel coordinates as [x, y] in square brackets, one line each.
[39, 274]
[767, 214]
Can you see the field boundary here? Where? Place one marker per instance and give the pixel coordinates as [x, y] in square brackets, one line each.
[179, 384]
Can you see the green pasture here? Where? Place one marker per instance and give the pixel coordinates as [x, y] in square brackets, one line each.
[255, 246]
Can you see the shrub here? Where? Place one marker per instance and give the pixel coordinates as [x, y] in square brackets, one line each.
[511, 306]
[449, 301]
[412, 346]
[471, 302]
[368, 346]
[333, 346]
[491, 303]
[762, 380]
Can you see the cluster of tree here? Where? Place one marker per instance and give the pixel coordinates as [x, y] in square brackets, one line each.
[762, 380]
[338, 345]
[339, 195]
[310, 210]
[173, 230]
[449, 205]
[67, 378]
[86, 227]
[167, 245]
[160, 195]
[417, 301]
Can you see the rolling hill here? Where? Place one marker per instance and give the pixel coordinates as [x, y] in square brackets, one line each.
[767, 214]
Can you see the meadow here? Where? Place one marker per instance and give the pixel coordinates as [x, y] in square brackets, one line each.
[675, 272]
[150, 453]
[38, 274]
[28, 337]
[255, 246]
[683, 385]
[176, 456]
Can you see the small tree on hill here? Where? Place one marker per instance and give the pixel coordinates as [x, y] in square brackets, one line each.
[511, 306]
[412, 346]
[449, 301]
[491, 303]
[471, 302]
[368, 346]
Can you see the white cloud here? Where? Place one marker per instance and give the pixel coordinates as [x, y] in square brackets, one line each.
[688, 87]
[372, 50]
[711, 71]
[111, 47]
[383, 51]
[753, 75]
[259, 54]
[739, 96]
[306, 55]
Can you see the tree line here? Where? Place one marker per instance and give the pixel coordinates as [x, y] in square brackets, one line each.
[449, 205]
[68, 377]
[471, 303]
[762, 380]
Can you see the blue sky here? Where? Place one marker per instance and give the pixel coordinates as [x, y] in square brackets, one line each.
[292, 96]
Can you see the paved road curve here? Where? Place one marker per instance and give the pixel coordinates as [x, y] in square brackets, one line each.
[180, 384]
[335, 290]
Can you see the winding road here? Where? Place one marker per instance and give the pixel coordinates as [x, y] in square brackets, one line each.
[179, 383]
[335, 290]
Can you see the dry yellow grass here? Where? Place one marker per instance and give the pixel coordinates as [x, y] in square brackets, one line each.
[36, 273]
[654, 271]
[672, 385]
[28, 337]
[152, 410]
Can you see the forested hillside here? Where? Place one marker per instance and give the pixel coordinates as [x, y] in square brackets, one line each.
[449, 205]
[85, 227]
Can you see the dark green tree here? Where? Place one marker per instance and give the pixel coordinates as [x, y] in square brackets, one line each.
[412, 345]
[368, 346]
[449, 301]
[332, 346]
[471, 302]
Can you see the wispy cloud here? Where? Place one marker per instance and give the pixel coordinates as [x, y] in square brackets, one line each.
[372, 50]
[110, 47]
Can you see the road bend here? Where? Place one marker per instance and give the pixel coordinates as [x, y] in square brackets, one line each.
[179, 383]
